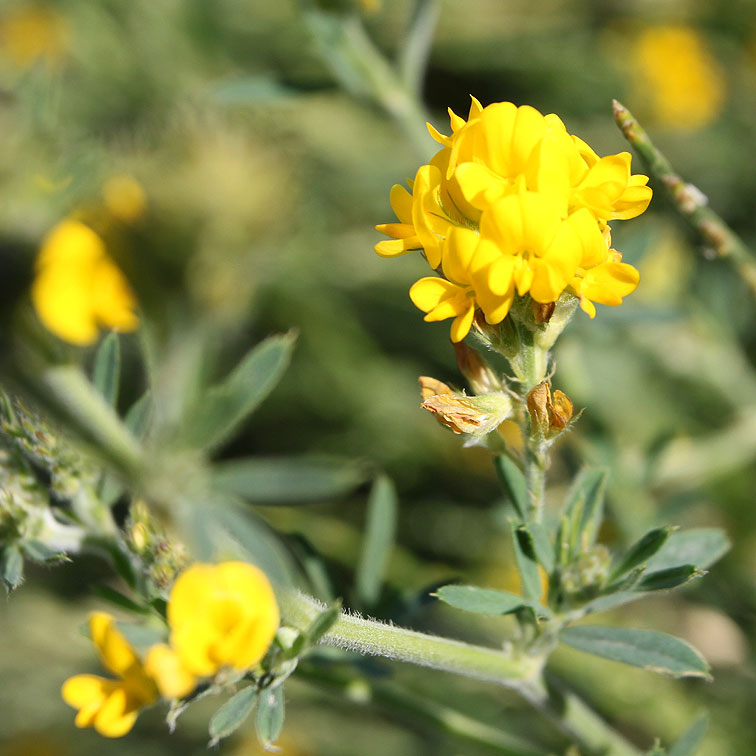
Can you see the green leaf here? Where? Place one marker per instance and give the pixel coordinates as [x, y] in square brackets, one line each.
[106, 375]
[544, 550]
[118, 599]
[12, 567]
[673, 577]
[524, 551]
[232, 714]
[687, 744]
[379, 538]
[270, 716]
[227, 404]
[139, 415]
[470, 598]
[649, 649]
[699, 546]
[514, 484]
[585, 505]
[41, 552]
[627, 582]
[288, 480]
[640, 552]
[612, 600]
[323, 623]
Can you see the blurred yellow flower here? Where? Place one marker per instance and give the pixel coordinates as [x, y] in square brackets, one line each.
[124, 198]
[514, 205]
[110, 706]
[30, 32]
[78, 287]
[172, 678]
[677, 77]
[222, 615]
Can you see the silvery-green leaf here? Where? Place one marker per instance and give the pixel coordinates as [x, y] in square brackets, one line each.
[640, 552]
[471, 598]
[227, 404]
[687, 744]
[107, 368]
[288, 480]
[527, 564]
[513, 482]
[232, 714]
[323, 623]
[12, 567]
[379, 539]
[672, 577]
[699, 546]
[585, 505]
[544, 550]
[649, 649]
[270, 716]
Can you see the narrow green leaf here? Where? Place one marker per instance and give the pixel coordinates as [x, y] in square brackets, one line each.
[41, 552]
[673, 577]
[270, 716]
[118, 599]
[527, 564]
[688, 743]
[514, 484]
[288, 480]
[649, 649]
[585, 504]
[699, 546]
[627, 582]
[323, 623]
[12, 567]
[227, 404]
[139, 415]
[107, 368]
[232, 714]
[379, 538]
[612, 600]
[544, 549]
[470, 598]
[640, 552]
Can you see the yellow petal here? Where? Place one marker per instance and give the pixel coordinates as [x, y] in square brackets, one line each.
[401, 203]
[458, 252]
[164, 666]
[116, 716]
[460, 327]
[115, 651]
[608, 283]
[428, 292]
[398, 247]
[84, 690]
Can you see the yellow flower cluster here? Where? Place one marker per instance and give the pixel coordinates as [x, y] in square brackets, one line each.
[513, 205]
[78, 287]
[220, 617]
[676, 76]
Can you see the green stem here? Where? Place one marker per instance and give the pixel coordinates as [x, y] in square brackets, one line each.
[535, 474]
[575, 719]
[415, 49]
[690, 202]
[414, 707]
[83, 406]
[360, 67]
[368, 636]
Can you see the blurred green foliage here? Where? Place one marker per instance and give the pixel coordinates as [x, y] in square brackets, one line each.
[263, 181]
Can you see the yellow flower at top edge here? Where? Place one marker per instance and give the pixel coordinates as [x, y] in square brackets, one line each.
[110, 706]
[222, 615]
[513, 205]
[32, 31]
[78, 288]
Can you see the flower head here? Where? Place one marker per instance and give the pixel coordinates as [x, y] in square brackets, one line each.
[514, 205]
[109, 705]
[221, 615]
[78, 288]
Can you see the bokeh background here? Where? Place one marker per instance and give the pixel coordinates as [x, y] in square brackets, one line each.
[216, 148]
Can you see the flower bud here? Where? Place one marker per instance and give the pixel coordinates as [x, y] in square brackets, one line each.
[479, 374]
[549, 413]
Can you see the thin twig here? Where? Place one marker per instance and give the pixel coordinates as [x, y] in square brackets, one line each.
[690, 202]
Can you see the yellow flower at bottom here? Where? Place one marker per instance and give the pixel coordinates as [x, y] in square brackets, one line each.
[222, 615]
[110, 706]
[78, 287]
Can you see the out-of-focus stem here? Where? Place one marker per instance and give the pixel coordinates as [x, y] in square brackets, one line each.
[363, 70]
[690, 202]
[415, 49]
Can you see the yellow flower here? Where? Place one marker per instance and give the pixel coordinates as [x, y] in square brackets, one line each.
[124, 198]
[78, 287]
[514, 205]
[172, 678]
[110, 706]
[677, 77]
[31, 32]
[221, 616]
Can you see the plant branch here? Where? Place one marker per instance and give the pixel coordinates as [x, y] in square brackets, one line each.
[690, 202]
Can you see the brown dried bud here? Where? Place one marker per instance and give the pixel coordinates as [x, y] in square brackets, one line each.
[542, 312]
[431, 387]
[549, 413]
[476, 415]
[479, 374]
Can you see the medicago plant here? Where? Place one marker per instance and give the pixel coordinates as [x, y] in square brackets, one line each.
[513, 217]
